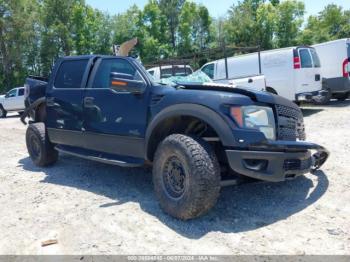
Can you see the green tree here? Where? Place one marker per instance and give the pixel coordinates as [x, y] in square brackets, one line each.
[194, 28]
[17, 37]
[290, 17]
[331, 23]
[57, 25]
[92, 30]
[172, 9]
[266, 25]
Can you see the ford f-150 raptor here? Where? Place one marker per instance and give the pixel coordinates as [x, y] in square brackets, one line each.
[109, 109]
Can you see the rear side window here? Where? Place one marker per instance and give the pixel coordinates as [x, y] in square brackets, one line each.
[348, 45]
[315, 58]
[305, 57]
[209, 70]
[21, 92]
[176, 71]
[70, 74]
[151, 72]
[119, 66]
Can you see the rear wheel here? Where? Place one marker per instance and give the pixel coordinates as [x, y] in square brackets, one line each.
[3, 112]
[186, 176]
[40, 149]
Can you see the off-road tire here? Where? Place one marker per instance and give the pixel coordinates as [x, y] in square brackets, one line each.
[40, 149]
[3, 112]
[202, 176]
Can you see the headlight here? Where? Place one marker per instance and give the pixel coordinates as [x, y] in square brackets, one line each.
[256, 117]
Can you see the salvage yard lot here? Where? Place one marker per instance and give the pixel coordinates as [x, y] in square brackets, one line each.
[92, 208]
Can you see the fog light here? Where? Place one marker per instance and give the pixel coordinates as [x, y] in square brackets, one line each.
[255, 164]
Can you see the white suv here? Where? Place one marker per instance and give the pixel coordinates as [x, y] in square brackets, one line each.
[13, 100]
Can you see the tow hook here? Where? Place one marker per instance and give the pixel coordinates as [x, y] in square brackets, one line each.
[318, 159]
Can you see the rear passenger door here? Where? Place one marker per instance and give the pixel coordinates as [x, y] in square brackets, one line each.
[64, 100]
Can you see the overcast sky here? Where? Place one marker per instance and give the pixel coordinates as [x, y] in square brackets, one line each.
[215, 7]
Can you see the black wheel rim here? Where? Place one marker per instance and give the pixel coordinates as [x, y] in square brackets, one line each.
[174, 177]
[1, 112]
[35, 148]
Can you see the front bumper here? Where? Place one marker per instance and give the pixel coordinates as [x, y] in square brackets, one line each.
[310, 96]
[277, 161]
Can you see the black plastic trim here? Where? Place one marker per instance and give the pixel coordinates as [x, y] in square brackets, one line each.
[112, 144]
[207, 115]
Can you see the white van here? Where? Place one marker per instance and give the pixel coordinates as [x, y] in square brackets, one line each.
[166, 71]
[13, 100]
[335, 59]
[292, 72]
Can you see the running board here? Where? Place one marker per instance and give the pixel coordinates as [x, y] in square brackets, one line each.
[122, 161]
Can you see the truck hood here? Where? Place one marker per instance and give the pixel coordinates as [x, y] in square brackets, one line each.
[2, 97]
[257, 96]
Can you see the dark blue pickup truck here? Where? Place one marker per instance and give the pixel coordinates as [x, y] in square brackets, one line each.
[197, 136]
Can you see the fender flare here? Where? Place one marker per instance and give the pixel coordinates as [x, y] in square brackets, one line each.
[201, 112]
[33, 106]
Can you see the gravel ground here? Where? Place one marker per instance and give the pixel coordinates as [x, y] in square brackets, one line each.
[92, 208]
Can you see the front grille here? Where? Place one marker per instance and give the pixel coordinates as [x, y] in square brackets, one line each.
[296, 164]
[290, 124]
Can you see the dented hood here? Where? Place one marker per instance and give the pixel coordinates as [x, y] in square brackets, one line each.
[257, 96]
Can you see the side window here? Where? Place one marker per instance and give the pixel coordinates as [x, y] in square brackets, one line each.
[305, 58]
[348, 47]
[315, 58]
[118, 66]
[70, 74]
[21, 92]
[11, 93]
[166, 73]
[209, 70]
[151, 72]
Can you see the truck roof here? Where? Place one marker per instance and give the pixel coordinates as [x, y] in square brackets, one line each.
[93, 56]
[262, 52]
[347, 40]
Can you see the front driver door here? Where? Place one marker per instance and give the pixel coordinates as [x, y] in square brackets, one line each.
[115, 121]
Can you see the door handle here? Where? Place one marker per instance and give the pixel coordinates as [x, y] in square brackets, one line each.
[88, 102]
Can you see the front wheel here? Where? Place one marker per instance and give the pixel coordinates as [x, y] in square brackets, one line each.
[40, 149]
[3, 112]
[186, 176]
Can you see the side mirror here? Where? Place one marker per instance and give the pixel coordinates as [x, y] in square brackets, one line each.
[7, 95]
[125, 83]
